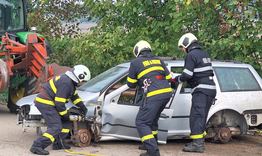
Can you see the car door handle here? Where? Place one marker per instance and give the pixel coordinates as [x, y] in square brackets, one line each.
[163, 115]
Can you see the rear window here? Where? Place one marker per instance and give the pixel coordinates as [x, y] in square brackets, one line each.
[236, 79]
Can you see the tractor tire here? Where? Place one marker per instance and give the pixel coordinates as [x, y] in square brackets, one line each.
[12, 107]
[11, 103]
[31, 86]
[26, 88]
[13, 96]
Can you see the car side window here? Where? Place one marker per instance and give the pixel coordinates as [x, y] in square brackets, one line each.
[185, 87]
[127, 97]
[236, 79]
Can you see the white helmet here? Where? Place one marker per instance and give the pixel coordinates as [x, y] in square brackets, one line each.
[79, 74]
[141, 46]
[186, 40]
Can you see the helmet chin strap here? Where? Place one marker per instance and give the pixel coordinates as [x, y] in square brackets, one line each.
[72, 76]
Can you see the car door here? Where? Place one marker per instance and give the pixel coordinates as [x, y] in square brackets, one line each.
[181, 105]
[120, 108]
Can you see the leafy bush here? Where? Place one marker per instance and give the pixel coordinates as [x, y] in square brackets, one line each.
[228, 30]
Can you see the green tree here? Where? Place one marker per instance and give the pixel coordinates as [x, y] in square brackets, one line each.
[56, 18]
[228, 30]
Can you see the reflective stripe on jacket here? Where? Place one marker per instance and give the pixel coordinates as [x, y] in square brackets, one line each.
[198, 71]
[58, 91]
[150, 67]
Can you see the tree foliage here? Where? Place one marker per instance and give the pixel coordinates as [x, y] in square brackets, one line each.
[228, 30]
[56, 18]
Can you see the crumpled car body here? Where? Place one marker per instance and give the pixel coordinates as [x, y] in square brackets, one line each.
[239, 96]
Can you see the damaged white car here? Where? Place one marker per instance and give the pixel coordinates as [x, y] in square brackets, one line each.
[113, 106]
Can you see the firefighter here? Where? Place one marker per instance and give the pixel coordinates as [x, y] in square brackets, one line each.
[51, 103]
[151, 75]
[198, 73]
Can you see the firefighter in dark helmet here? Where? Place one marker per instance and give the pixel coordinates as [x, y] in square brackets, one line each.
[198, 72]
[151, 75]
[51, 103]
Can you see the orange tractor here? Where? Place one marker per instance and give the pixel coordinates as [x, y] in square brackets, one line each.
[23, 55]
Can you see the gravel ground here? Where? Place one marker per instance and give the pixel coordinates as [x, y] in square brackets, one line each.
[15, 142]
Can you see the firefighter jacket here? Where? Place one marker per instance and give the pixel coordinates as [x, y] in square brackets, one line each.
[198, 71]
[59, 91]
[148, 67]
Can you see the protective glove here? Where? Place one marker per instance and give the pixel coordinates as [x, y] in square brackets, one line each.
[175, 82]
[177, 78]
[83, 109]
[65, 117]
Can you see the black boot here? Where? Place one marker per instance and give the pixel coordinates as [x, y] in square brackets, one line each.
[190, 144]
[38, 150]
[142, 147]
[154, 153]
[195, 146]
[144, 154]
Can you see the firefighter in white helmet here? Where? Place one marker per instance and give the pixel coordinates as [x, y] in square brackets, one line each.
[198, 72]
[51, 103]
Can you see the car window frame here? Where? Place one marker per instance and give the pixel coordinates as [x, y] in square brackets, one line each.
[134, 98]
[183, 83]
[112, 84]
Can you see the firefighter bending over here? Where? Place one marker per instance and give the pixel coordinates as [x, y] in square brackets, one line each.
[51, 103]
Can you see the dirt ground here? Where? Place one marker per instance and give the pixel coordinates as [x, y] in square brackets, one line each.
[15, 142]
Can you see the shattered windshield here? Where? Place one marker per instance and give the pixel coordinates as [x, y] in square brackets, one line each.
[11, 15]
[104, 79]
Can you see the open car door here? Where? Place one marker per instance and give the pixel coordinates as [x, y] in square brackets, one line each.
[119, 112]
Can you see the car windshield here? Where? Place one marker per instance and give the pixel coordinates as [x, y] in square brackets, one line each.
[104, 79]
[11, 15]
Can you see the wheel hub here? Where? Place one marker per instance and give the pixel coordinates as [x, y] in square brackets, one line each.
[224, 134]
[82, 138]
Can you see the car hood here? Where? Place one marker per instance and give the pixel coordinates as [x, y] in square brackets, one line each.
[27, 100]
[87, 97]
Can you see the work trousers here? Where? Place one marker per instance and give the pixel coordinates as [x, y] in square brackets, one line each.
[56, 129]
[201, 104]
[147, 121]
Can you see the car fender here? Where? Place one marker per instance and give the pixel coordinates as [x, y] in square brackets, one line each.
[27, 100]
[231, 111]
[219, 107]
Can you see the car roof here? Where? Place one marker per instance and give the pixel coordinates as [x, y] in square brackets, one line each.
[215, 63]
